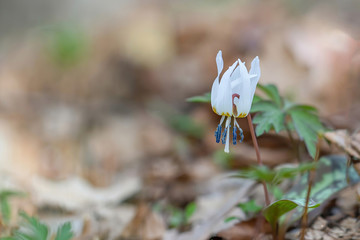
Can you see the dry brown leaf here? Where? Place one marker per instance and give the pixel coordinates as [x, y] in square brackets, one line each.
[146, 225]
[350, 144]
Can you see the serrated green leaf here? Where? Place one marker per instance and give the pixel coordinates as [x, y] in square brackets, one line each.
[64, 232]
[249, 207]
[206, 98]
[189, 211]
[272, 92]
[308, 126]
[273, 118]
[274, 211]
[32, 229]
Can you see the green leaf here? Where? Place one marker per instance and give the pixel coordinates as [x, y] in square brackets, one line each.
[250, 207]
[229, 219]
[5, 210]
[307, 125]
[189, 211]
[206, 98]
[176, 218]
[263, 106]
[64, 232]
[330, 178]
[272, 118]
[272, 92]
[8, 238]
[257, 173]
[32, 229]
[4, 203]
[274, 211]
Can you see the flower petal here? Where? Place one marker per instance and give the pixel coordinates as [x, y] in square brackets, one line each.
[256, 73]
[215, 86]
[223, 101]
[243, 88]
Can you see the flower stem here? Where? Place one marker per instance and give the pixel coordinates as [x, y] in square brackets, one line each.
[310, 182]
[256, 146]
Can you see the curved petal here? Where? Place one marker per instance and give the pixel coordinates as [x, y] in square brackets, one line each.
[215, 86]
[243, 104]
[256, 73]
[219, 62]
[223, 100]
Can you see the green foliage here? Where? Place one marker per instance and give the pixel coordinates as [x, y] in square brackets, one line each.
[186, 125]
[32, 229]
[273, 176]
[64, 232]
[177, 217]
[189, 211]
[249, 207]
[276, 113]
[274, 211]
[66, 45]
[5, 208]
[222, 158]
[330, 178]
[206, 98]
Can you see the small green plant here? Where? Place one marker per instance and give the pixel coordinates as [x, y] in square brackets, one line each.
[177, 217]
[5, 207]
[278, 113]
[32, 229]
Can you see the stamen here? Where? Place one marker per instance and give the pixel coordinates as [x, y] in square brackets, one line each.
[234, 135]
[241, 134]
[224, 136]
[218, 133]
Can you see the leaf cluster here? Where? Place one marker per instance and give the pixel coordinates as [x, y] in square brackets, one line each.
[5, 208]
[275, 112]
[32, 229]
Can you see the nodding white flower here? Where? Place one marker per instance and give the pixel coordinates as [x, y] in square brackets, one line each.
[233, 96]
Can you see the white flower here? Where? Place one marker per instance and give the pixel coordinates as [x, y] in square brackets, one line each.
[233, 96]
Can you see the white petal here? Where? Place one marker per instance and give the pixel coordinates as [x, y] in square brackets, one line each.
[223, 101]
[256, 73]
[219, 62]
[214, 91]
[244, 103]
[215, 86]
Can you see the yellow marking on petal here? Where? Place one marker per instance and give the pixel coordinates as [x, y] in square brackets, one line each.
[242, 115]
[214, 109]
[226, 114]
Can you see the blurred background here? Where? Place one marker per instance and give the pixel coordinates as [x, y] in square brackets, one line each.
[92, 93]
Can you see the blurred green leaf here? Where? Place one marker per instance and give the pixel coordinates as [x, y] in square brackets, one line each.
[32, 229]
[272, 92]
[67, 45]
[176, 218]
[250, 207]
[206, 98]
[186, 125]
[274, 211]
[189, 211]
[4, 203]
[64, 232]
[229, 219]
